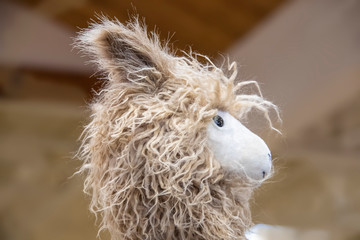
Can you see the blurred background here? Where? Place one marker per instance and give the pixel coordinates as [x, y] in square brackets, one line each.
[304, 53]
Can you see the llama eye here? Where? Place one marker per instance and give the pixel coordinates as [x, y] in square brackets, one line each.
[219, 121]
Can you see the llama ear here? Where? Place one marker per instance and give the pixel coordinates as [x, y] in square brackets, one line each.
[122, 49]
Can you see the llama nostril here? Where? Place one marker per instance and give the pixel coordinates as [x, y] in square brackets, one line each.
[269, 156]
[264, 173]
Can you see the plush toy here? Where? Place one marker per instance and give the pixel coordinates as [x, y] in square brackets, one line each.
[165, 154]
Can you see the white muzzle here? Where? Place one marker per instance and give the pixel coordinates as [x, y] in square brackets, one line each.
[237, 148]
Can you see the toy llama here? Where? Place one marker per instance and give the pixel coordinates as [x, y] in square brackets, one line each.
[165, 154]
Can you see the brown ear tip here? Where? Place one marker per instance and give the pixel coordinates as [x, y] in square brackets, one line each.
[95, 39]
[117, 47]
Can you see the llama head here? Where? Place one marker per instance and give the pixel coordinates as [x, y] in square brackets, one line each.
[165, 154]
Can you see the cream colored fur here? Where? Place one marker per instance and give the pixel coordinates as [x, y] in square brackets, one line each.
[148, 166]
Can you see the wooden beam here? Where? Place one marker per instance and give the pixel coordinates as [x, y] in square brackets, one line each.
[306, 60]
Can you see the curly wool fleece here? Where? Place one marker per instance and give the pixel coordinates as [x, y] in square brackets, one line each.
[148, 167]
